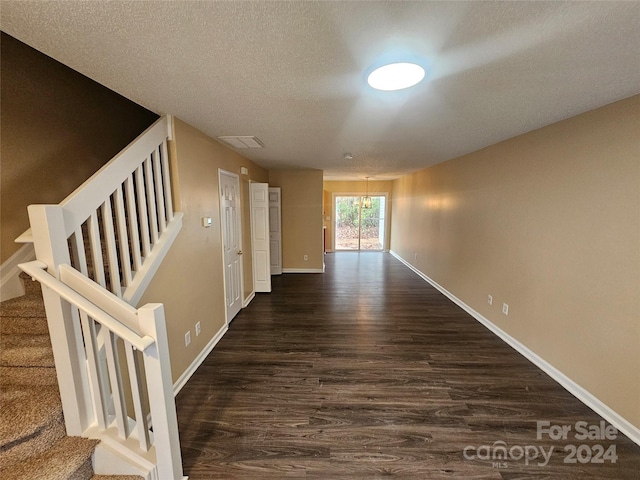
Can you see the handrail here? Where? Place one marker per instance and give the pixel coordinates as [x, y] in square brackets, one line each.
[37, 271]
[104, 299]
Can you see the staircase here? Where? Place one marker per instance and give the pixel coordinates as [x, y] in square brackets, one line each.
[107, 402]
[33, 442]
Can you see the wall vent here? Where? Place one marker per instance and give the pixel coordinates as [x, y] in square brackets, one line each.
[242, 141]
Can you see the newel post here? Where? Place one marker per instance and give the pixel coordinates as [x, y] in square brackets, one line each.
[162, 403]
[50, 243]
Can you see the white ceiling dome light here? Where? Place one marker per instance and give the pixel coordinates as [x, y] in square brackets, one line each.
[396, 76]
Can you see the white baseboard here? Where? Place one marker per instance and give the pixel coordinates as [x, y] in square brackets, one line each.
[303, 270]
[10, 284]
[590, 400]
[247, 301]
[184, 378]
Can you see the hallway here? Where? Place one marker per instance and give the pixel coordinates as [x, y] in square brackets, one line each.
[366, 372]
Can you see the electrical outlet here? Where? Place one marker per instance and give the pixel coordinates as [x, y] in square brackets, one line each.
[197, 329]
[187, 338]
[490, 300]
[505, 309]
[415, 256]
[306, 257]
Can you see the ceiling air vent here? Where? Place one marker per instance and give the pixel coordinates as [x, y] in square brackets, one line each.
[242, 141]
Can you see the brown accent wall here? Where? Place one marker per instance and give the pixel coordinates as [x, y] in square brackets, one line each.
[190, 281]
[57, 128]
[549, 223]
[301, 217]
[374, 187]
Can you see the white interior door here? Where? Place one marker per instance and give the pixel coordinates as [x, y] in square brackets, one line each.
[231, 242]
[275, 230]
[260, 236]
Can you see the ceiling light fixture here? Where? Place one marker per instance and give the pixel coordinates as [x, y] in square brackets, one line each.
[396, 76]
[366, 200]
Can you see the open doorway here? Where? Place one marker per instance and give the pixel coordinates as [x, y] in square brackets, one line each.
[357, 227]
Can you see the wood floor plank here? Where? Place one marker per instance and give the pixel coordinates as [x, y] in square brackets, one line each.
[368, 372]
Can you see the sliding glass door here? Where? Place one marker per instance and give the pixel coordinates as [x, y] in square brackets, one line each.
[357, 227]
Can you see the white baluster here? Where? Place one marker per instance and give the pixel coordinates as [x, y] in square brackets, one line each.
[151, 201]
[96, 249]
[142, 208]
[133, 222]
[166, 176]
[123, 237]
[136, 379]
[77, 249]
[115, 380]
[99, 395]
[157, 170]
[112, 253]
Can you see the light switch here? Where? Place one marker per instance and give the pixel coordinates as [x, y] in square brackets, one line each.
[206, 222]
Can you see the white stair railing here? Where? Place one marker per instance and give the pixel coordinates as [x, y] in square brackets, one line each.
[109, 324]
[117, 226]
[113, 231]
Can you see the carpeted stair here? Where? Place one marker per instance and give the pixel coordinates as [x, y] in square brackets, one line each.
[33, 443]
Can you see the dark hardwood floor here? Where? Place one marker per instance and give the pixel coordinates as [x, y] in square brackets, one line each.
[368, 372]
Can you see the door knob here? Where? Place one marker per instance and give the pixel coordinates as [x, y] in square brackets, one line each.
[239, 252]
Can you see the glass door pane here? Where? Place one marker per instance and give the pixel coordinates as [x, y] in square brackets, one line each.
[372, 225]
[347, 223]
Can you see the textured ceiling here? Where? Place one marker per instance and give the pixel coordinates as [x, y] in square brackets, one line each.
[293, 73]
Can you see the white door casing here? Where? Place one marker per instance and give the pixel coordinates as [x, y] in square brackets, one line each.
[231, 242]
[260, 236]
[275, 230]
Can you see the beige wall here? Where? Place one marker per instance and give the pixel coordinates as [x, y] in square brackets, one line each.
[332, 187]
[58, 127]
[301, 217]
[548, 222]
[190, 281]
